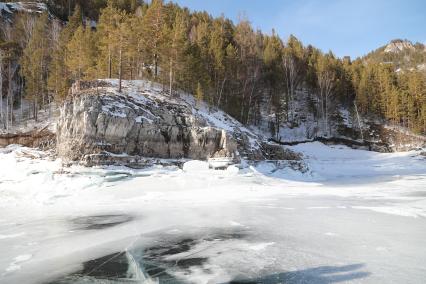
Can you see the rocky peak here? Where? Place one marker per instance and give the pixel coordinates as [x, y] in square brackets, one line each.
[399, 45]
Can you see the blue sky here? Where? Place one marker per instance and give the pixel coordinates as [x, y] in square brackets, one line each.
[347, 27]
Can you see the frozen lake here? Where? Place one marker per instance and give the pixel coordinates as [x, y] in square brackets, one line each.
[354, 217]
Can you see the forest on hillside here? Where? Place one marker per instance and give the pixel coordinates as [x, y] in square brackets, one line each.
[229, 65]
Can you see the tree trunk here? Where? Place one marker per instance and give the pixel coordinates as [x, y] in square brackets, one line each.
[1, 88]
[251, 96]
[109, 64]
[292, 88]
[326, 116]
[7, 113]
[21, 99]
[35, 110]
[277, 126]
[221, 91]
[155, 66]
[171, 77]
[120, 70]
[359, 121]
[322, 110]
[242, 101]
[287, 99]
[10, 93]
[131, 68]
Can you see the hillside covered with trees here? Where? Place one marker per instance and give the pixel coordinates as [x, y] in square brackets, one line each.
[146, 142]
[229, 65]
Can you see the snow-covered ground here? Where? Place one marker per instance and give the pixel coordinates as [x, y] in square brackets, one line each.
[23, 121]
[356, 216]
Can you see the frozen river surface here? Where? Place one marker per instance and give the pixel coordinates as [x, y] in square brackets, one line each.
[354, 217]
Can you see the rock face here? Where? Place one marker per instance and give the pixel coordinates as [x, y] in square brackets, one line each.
[380, 138]
[8, 10]
[43, 139]
[99, 122]
[397, 46]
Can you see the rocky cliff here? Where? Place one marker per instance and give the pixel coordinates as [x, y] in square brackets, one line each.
[98, 125]
[97, 122]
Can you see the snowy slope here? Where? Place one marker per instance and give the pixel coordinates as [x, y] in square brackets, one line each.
[344, 125]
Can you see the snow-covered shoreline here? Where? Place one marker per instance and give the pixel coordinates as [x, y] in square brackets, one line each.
[355, 216]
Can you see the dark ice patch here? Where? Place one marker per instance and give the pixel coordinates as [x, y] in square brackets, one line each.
[99, 222]
[110, 266]
[113, 268]
[168, 249]
[154, 260]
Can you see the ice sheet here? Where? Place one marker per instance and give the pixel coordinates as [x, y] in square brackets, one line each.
[355, 216]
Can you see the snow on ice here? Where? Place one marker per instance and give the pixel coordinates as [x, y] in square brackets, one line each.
[355, 216]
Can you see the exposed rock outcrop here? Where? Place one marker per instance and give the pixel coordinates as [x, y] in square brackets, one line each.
[399, 45]
[380, 137]
[97, 123]
[141, 125]
[8, 10]
[43, 139]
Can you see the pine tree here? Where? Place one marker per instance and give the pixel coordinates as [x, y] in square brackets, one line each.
[294, 70]
[152, 25]
[248, 54]
[132, 65]
[272, 58]
[81, 52]
[59, 80]
[199, 94]
[230, 64]
[34, 63]
[129, 6]
[217, 45]
[326, 84]
[178, 37]
[9, 53]
[123, 45]
[109, 33]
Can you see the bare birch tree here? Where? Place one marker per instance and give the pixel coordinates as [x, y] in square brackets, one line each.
[326, 83]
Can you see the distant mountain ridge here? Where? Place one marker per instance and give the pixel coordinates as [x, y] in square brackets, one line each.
[396, 46]
[404, 54]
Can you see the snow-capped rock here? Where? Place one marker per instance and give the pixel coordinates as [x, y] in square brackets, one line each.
[136, 122]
